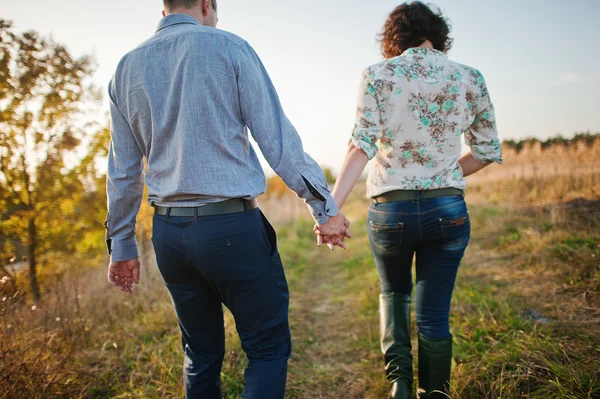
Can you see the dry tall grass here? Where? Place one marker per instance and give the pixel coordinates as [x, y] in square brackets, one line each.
[77, 342]
[536, 175]
[527, 303]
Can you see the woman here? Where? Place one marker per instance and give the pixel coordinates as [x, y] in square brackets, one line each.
[413, 109]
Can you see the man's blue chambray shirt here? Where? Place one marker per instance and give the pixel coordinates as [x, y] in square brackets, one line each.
[184, 100]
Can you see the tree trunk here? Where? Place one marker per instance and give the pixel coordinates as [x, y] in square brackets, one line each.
[35, 289]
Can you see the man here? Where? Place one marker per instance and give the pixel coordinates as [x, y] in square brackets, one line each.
[184, 100]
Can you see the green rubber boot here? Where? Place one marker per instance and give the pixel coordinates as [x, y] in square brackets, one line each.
[395, 343]
[435, 362]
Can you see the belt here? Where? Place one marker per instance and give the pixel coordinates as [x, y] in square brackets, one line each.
[407, 195]
[236, 205]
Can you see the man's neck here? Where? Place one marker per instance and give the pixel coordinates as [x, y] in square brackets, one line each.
[195, 13]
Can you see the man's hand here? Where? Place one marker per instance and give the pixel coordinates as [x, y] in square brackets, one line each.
[122, 275]
[333, 232]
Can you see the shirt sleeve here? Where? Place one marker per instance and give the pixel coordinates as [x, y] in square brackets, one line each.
[124, 186]
[276, 136]
[367, 129]
[482, 135]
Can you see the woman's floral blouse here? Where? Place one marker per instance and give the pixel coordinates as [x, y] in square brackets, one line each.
[412, 111]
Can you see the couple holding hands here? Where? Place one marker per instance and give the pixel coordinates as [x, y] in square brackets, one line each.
[187, 99]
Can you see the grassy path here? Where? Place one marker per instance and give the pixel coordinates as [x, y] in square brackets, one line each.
[332, 339]
[513, 335]
[526, 322]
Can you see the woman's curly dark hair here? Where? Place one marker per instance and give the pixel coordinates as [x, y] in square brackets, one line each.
[409, 25]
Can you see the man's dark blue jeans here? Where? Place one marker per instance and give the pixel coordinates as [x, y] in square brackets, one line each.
[437, 231]
[232, 260]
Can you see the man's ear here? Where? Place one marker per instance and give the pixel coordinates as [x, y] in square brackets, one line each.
[164, 14]
[206, 4]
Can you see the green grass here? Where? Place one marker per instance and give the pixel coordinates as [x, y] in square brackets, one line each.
[108, 345]
[499, 354]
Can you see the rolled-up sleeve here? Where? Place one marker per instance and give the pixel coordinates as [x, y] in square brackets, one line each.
[276, 136]
[482, 135]
[124, 186]
[367, 128]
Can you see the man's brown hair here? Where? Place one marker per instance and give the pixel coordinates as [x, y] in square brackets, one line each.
[172, 4]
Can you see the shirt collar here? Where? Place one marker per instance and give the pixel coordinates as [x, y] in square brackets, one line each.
[423, 51]
[176, 19]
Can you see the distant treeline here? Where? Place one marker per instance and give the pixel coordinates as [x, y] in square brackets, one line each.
[588, 138]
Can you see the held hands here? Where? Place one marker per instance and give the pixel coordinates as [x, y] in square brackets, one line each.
[333, 232]
[122, 275]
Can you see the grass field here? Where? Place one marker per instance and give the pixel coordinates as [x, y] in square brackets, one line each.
[526, 311]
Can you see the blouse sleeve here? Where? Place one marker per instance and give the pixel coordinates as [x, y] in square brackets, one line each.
[367, 129]
[482, 135]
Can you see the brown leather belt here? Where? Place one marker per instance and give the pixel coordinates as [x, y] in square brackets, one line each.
[408, 195]
[236, 205]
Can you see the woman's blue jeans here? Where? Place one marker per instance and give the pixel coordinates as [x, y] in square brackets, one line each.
[437, 232]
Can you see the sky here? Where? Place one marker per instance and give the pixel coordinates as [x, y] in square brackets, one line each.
[540, 58]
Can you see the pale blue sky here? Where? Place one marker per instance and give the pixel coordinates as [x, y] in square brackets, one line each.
[540, 57]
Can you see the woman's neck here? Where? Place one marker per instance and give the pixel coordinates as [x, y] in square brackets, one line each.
[426, 44]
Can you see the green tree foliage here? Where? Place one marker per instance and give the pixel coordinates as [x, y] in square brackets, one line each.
[43, 93]
[88, 209]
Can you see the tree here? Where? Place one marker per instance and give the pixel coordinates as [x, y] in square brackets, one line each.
[43, 93]
[87, 211]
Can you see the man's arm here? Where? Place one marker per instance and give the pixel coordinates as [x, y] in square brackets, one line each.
[280, 143]
[124, 184]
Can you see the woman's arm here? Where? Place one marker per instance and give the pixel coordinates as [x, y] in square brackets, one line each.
[470, 165]
[354, 165]
[365, 135]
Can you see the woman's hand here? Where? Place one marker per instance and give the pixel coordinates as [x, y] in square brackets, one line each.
[338, 223]
[354, 165]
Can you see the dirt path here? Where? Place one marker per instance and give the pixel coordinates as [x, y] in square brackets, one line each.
[330, 354]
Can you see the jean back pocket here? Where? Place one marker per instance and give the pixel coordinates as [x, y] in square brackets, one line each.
[456, 229]
[386, 236]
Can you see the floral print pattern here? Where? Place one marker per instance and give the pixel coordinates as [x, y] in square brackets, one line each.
[412, 113]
